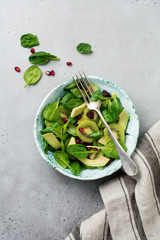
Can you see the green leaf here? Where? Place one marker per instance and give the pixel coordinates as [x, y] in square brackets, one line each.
[115, 107]
[45, 146]
[77, 150]
[84, 48]
[97, 95]
[32, 75]
[29, 40]
[96, 135]
[42, 58]
[54, 128]
[108, 116]
[62, 159]
[51, 113]
[76, 92]
[72, 85]
[110, 150]
[75, 168]
[69, 101]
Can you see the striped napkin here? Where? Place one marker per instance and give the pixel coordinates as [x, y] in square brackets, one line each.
[132, 205]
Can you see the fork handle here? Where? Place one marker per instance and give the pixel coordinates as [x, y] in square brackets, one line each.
[128, 165]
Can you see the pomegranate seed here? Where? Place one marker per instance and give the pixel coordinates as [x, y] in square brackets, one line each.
[17, 69]
[32, 50]
[81, 142]
[77, 141]
[52, 72]
[81, 129]
[88, 148]
[48, 73]
[69, 63]
[109, 163]
[98, 149]
[65, 119]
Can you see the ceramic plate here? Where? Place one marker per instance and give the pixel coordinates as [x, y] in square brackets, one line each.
[130, 141]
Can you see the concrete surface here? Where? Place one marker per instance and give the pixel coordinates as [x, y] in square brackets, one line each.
[36, 202]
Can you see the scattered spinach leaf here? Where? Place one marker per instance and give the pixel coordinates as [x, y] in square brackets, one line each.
[42, 58]
[29, 40]
[115, 107]
[62, 159]
[69, 101]
[96, 135]
[84, 48]
[51, 113]
[75, 168]
[32, 75]
[76, 92]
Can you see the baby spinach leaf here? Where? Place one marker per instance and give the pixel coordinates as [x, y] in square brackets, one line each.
[96, 135]
[97, 95]
[51, 113]
[75, 168]
[108, 116]
[72, 85]
[84, 48]
[77, 150]
[110, 150]
[76, 92]
[62, 159]
[115, 107]
[29, 40]
[45, 146]
[32, 75]
[42, 58]
[69, 101]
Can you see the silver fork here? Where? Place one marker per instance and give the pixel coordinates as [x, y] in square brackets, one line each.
[128, 165]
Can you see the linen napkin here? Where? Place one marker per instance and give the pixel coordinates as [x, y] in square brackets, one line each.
[132, 205]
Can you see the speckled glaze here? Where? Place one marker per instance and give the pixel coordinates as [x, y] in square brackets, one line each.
[130, 141]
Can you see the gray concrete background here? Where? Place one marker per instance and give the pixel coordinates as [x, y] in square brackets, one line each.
[36, 202]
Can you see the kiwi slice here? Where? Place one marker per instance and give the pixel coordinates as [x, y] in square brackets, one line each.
[117, 131]
[85, 128]
[64, 113]
[91, 115]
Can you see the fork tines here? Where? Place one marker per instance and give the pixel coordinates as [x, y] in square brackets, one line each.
[85, 85]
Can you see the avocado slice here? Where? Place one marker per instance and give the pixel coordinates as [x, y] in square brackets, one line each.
[47, 124]
[123, 119]
[72, 141]
[102, 140]
[51, 139]
[78, 110]
[98, 162]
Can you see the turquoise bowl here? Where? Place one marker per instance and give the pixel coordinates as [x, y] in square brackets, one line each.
[130, 141]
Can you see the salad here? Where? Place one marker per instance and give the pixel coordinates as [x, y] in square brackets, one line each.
[77, 136]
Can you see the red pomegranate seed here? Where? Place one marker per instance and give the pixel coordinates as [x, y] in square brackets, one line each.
[81, 142]
[109, 163]
[81, 129]
[48, 73]
[77, 141]
[65, 119]
[88, 148]
[17, 69]
[69, 63]
[52, 72]
[32, 50]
